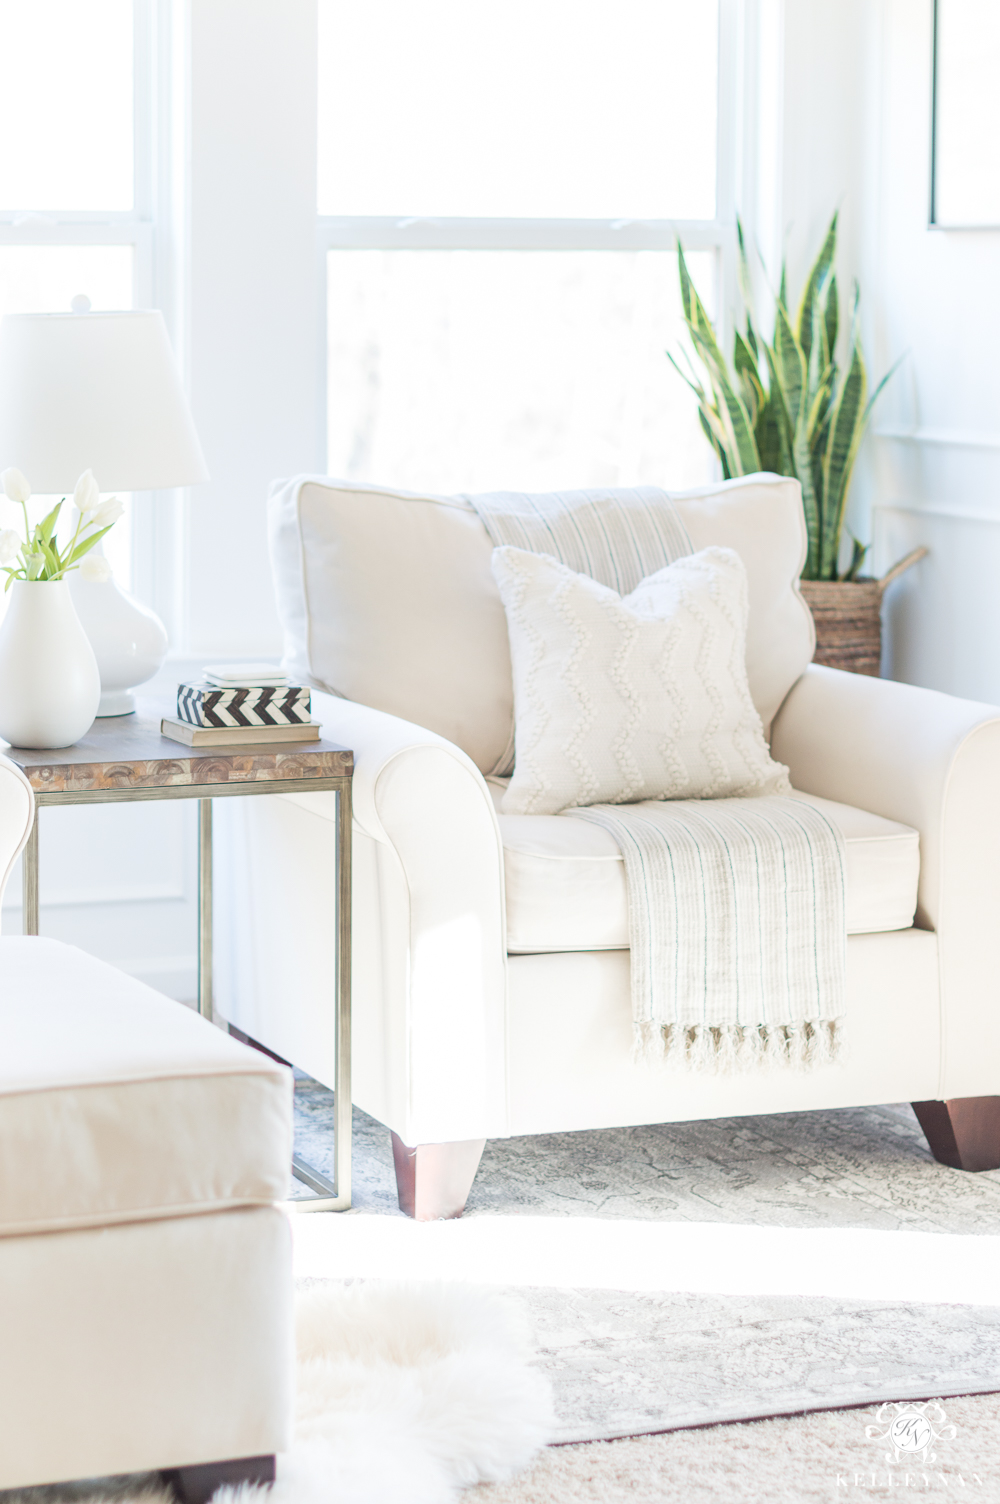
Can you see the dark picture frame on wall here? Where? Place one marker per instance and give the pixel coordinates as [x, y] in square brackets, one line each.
[965, 116]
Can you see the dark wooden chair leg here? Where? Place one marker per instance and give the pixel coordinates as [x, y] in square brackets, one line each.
[434, 1180]
[196, 1485]
[963, 1132]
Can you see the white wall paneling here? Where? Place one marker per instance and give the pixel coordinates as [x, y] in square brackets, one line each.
[940, 625]
[120, 881]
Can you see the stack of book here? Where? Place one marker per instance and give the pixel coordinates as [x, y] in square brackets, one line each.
[241, 702]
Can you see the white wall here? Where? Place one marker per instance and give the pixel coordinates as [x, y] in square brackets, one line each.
[937, 444]
[823, 127]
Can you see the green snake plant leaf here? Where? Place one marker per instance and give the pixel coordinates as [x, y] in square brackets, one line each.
[751, 386]
[784, 428]
[831, 315]
[790, 364]
[858, 552]
[768, 437]
[746, 289]
[819, 375]
[871, 400]
[741, 445]
[708, 416]
[751, 342]
[691, 381]
[819, 437]
[811, 498]
[810, 305]
[793, 443]
[716, 443]
[819, 406]
[847, 427]
[821, 343]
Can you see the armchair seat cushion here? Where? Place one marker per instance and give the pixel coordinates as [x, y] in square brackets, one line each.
[119, 1105]
[565, 878]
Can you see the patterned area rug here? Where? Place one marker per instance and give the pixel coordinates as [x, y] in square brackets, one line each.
[694, 1273]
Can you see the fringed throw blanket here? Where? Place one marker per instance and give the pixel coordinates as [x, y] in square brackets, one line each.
[737, 928]
[736, 906]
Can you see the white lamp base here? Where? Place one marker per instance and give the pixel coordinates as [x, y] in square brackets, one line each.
[129, 640]
[116, 702]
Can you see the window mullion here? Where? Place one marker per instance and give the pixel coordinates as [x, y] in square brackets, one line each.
[518, 234]
[730, 114]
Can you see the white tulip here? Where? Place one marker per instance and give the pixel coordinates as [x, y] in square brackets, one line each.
[108, 512]
[10, 545]
[15, 486]
[95, 567]
[87, 495]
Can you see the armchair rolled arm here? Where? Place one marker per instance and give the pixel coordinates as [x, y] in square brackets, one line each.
[933, 762]
[17, 808]
[434, 898]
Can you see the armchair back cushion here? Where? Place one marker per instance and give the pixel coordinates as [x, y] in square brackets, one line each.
[388, 598]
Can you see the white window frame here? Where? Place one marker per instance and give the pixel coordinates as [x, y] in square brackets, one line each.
[155, 557]
[735, 110]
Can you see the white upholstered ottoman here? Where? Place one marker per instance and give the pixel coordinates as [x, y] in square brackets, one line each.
[145, 1270]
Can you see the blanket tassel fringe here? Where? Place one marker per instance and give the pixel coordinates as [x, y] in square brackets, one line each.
[733, 1048]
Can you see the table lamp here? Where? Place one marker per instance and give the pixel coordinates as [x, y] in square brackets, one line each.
[101, 392]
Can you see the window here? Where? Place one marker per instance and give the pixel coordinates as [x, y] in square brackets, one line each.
[75, 166]
[501, 184]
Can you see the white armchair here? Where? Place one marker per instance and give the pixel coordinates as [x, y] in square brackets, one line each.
[490, 953]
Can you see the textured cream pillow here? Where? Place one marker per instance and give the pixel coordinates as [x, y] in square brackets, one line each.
[642, 697]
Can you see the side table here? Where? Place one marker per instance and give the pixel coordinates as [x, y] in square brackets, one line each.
[124, 759]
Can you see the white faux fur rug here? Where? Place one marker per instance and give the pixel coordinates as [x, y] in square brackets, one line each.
[405, 1395]
[409, 1393]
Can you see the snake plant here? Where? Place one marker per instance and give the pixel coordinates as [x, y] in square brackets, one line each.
[788, 406]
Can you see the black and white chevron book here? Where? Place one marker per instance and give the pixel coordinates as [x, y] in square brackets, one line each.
[207, 705]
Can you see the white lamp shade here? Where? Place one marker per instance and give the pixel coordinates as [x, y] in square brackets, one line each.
[94, 391]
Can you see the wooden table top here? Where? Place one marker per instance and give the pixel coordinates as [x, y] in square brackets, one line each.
[129, 751]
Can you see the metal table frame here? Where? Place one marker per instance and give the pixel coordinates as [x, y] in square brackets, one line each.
[331, 1196]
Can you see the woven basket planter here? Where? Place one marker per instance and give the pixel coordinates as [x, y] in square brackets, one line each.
[848, 617]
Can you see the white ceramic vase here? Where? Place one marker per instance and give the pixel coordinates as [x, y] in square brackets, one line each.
[49, 681]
